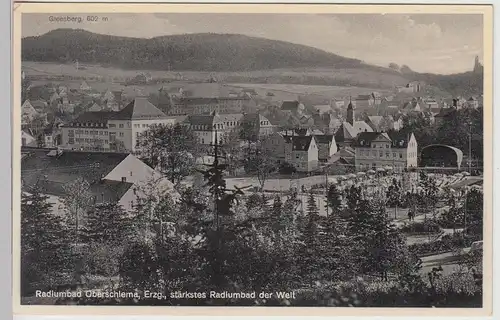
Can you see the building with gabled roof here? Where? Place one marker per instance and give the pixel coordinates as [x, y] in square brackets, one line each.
[375, 150]
[205, 98]
[259, 123]
[294, 107]
[302, 152]
[113, 178]
[84, 86]
[322, 108]
[27, 139]
[113, 131]
[327, 146]
[28, 112]
[208, 128]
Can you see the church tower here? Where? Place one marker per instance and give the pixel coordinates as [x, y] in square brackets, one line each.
[350, 112]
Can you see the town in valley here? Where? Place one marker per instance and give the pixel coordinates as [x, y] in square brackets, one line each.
[167, 179]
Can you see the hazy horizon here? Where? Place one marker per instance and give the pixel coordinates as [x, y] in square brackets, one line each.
[430, 43]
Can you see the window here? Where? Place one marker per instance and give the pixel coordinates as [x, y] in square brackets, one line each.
[128, 124]
[374, 153]
[137, 125]
[400, 156]
[86, 132]
[105, 141]
[131, 173]
[112, 125]
[144, 125]
[387, 154]
[380, 154]
[71, 140]
[394, 154]
[387, 146]
[137, 134]
[121, 134]
[124, 179]
[120, 125]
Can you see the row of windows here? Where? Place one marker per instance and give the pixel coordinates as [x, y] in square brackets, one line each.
[368, 166]
[380, 154]
[81, 140]
[120, 125]
[90, 124]
[144, 125]
[94, 132]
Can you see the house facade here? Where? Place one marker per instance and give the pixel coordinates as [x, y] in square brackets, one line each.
[208, 128]
[302, 153]
[327, 147]
[375, 150]
[113, 131]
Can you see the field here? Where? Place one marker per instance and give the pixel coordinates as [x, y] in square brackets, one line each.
[103, 78]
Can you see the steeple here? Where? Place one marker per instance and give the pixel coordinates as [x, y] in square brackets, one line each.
[350, 112]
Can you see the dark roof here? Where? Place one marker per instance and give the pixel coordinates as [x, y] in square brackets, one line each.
[68, 166]
[290, 105]
[103, 191]
[93, 117]
[140, 108]
[202, 119]
[399, 140]
[323, 139]
[365, 138]
[301, 143]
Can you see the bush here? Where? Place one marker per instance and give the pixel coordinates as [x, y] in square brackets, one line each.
[428, 226]
[445, 244]
[102, 259]
[287, 168]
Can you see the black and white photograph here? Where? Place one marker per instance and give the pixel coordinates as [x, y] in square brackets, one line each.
[253, 159]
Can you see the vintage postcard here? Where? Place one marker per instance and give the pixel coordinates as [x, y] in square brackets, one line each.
[267, 158]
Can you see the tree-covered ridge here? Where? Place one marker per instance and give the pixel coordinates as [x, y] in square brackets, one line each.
[201, 52]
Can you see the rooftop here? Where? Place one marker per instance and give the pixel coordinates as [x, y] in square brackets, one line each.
[44, 167]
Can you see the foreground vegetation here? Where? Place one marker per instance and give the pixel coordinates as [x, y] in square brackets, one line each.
[213, 239]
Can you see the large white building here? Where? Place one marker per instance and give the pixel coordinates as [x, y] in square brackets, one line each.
[113, 131]
[379, 150]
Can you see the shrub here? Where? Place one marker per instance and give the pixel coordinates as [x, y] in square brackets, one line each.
[446, 243]
[287, 168]
[428, 226]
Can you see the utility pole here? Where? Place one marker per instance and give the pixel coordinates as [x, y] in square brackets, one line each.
[470, 146]
[326, 188]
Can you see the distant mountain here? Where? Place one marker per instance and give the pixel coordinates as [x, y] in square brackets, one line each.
[200, 52]
[234, 53]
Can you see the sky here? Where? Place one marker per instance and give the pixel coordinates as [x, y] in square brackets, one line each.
[435, 43]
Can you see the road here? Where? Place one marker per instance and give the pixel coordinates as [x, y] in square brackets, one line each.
[448, 261]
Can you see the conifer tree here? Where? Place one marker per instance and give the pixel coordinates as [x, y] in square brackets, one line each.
[333, 199]
[45, 247]
[106, 223]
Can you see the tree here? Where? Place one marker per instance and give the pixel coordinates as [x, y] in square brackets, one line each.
[77, 201]
[171, 149]
[260, 160]
[106, 223]
[311, 256]
[334, 199]
[232, 151]
[249, 132]
[45, 247]
[394, 66]
[474, 212]
[394, 196]
[353, 197]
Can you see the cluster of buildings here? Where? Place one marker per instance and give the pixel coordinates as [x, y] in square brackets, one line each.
[358, 144]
